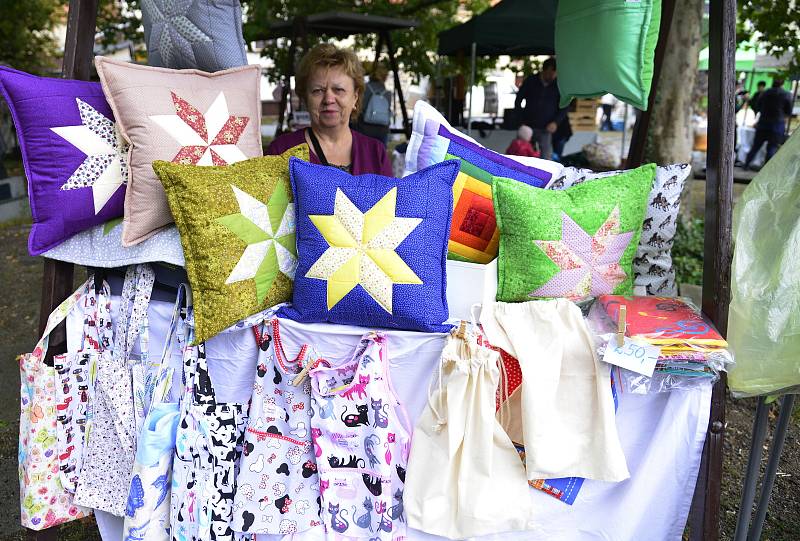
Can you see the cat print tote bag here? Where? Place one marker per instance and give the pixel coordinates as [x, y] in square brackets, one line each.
[44, 501]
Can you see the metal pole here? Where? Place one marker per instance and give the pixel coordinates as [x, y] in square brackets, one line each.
[471, 85]
[772, 466]
[751, 477]
[624, 131]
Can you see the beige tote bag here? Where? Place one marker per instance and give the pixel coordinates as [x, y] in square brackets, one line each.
[464, 477]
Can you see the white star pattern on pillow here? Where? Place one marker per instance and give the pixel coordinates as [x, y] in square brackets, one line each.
[105, 168]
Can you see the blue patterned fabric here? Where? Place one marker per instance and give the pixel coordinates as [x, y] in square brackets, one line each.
[199, 34]
[372, 249]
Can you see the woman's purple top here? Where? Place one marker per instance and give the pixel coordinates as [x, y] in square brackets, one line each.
[369, 155]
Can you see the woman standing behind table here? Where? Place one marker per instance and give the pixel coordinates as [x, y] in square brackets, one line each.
[330, 82]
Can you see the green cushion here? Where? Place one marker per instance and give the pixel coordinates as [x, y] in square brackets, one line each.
[237, 230]
[575, 243]
[606, 46]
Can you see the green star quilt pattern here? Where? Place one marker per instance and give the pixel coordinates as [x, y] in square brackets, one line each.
[237, 229]
[575, 243]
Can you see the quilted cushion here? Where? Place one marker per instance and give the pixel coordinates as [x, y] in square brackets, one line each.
[185, 116]
[652, 266]
[237, 229]
[101, 246]
[73, 154]
[606, 46]
[202, 34]
[575, 243]
[473, 233]
[372, 249]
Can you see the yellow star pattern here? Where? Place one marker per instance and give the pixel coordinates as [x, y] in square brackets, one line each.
[361, 249]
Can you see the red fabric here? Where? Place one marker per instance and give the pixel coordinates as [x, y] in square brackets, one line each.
[368, 154]
[518, 147]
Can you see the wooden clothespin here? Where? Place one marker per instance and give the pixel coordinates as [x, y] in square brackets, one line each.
[462, 330]
[302, 375]
[621, 325]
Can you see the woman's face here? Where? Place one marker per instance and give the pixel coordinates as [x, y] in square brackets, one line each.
[331, 97]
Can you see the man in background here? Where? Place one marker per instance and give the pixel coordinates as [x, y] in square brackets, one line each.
[774, 107]
[760, 87]
[540, 94]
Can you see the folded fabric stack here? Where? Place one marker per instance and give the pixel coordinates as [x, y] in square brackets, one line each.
[690, 346]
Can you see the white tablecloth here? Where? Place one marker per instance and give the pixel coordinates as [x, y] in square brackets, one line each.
[662, 435]
[745, 137]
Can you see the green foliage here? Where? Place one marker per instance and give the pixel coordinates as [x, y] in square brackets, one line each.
[119, 21]
[774, 24]
[415, 49]
[26, 34]
[687, 251]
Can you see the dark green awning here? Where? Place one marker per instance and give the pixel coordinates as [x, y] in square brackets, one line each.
[512, 27]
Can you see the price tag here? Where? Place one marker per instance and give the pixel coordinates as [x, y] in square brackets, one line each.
[640, 358]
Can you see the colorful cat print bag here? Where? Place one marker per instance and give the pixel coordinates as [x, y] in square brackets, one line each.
[76, 374]
[44, 501]
[207, 447]
[147, 512]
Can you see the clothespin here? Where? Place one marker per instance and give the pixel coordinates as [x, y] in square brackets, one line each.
[462, 330]
[621, 325]
[302, 375]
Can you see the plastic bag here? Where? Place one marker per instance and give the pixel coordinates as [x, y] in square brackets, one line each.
[764, 320]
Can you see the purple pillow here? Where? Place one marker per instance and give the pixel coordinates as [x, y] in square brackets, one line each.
[74, 157]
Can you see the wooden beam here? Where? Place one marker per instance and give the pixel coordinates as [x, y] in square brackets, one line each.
[58, 276]
[639, 134]
[718, 247]
[393, 63]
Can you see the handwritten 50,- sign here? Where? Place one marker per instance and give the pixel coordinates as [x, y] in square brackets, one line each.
[640, 358]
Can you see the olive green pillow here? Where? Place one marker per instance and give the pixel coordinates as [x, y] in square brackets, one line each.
[575, 243]
[237, 229]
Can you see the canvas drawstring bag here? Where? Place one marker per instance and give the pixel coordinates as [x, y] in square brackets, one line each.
[464, 477]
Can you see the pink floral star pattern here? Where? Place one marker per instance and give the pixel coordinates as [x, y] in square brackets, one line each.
[205, 139]
[588, 265]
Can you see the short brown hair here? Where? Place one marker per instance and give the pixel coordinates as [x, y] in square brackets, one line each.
[326, 55]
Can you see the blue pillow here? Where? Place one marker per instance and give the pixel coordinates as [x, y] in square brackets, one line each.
[372, 249]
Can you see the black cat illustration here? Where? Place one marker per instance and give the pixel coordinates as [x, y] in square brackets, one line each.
[352, 462]
[401, 472]
[352, 420]
[647, 224]
[372, 483]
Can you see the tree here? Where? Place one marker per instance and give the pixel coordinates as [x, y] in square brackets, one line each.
[26, 34]
[774, 24]
[670, 137]
[415, 49]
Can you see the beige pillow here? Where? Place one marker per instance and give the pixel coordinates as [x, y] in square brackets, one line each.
[182, 116]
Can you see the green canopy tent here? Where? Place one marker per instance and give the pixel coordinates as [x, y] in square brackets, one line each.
[512, 27]
[745, 58]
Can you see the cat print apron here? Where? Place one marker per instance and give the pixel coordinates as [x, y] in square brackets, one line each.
[362, 446]
[278, 489]
[207, 448]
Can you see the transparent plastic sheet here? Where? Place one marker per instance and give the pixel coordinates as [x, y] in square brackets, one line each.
[671, 374]
[764, 320]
